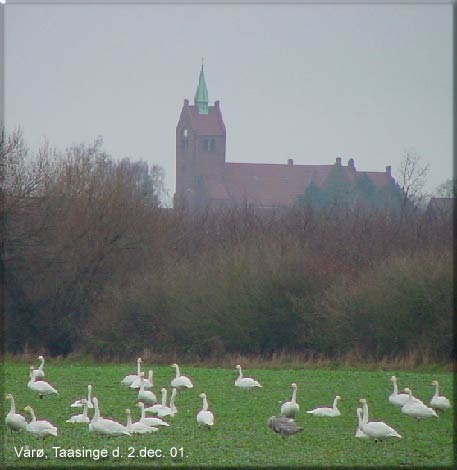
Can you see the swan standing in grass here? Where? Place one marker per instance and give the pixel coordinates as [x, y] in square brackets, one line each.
[437, 402]
[180, 381]
[81, 418]
[146, 395]
[41, 387]
[399, 399]
[331, 412]
[359, 433]
[148, 383]
[15, 421]
[83, 401]
[150, 421]
[377, 430]
[129, 379]
[155, 408]
[417, 410]
[39, 373]
[283, 426]
[137, 428]
[39, 429]
[246, 383]
[290, 408]
[168, 410]
[105, 427]
[205, 417]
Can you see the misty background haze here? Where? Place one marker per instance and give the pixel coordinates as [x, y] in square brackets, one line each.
[308, 82]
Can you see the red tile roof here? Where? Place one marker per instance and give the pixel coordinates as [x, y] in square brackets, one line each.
[274, 184]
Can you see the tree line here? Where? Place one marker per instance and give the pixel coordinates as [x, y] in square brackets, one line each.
[92, 263]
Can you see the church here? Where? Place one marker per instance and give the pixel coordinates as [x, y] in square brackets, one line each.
[205, 179]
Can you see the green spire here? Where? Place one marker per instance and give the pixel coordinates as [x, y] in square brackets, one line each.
[201, 95]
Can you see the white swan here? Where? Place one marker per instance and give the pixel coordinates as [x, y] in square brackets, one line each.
[81, 418]
[83, 402]
[168, 410]
[399, 399]
[148, 383]
[417, 410]
[41, 387]
[137, 428]
[39, 373]
[331, 412]
[290, 408]
[155, 408]
[150, 421]
[205, 417]
[129, 379]
[40, 429]
[15, 421]
[377, 430]
[359, 433]
[146, 395]
[437, 402]
[180, 381]
[105, 427]
[246, 383]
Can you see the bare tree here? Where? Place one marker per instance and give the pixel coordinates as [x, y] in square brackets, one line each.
[412, 178]
[447, 189]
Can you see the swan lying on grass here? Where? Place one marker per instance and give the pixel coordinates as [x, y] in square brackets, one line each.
[331, 412]
[83, 402]
[146, 395]
[168, 410]
[129, 379]
[105, 427]
[359, 433]
[15, 421]
[399, 399]
[150, 421]
[138, 427]
[81, 418]
[437, 402]
[39, 429]
[246, 383]
[148, 383]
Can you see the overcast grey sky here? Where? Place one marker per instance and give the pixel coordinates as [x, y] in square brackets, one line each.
[309, 82]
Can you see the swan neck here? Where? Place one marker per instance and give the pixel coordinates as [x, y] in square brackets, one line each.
[142, 410]
[32, 414]
[365, 413]
[335, 402]
[359, 415]
[13, 405]
[164, 397]
[141, 383]
[85, 407]
[294, 396]
[138, 368]
[96, 411]
[395, 386]
[437, 389]
[241, 373]
[177, 371]
[172, 399]
[129, 421]
[205, 404]
[150, 376]
[89, 395]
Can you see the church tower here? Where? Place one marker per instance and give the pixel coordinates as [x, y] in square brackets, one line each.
[200, 149]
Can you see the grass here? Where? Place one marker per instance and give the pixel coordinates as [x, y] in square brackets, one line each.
[240, 437]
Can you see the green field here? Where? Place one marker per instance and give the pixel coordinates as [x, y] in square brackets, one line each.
[240, 436]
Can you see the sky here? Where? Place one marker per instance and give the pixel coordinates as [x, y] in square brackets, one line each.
[304, 81]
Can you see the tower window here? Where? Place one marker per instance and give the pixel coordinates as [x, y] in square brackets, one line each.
[209, 145]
